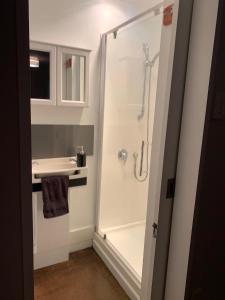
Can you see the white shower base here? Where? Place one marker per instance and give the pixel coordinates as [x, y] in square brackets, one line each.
[128, 241]
[122, 249]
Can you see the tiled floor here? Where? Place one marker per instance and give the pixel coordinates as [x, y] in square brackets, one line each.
[83, 277]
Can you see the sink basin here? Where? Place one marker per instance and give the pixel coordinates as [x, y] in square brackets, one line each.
[43, 170]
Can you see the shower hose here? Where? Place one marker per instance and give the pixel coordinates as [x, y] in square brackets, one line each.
[137, 177]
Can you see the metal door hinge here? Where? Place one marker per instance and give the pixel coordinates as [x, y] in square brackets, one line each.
[155, 230]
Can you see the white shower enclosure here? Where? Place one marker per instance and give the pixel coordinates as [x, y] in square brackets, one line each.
[136, 67]
[123, 198]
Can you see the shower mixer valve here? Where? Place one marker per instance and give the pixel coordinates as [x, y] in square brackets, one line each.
[123, 155]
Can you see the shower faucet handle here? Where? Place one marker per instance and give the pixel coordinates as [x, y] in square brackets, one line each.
[123, 155]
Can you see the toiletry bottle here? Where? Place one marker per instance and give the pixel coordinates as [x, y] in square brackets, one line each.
[81, 158]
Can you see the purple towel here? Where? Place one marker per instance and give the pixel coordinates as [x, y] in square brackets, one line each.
[55, 196]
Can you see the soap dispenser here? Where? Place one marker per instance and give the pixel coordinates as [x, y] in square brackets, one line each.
[81, 157]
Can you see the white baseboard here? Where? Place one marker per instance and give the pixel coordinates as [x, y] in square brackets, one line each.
[81, 238]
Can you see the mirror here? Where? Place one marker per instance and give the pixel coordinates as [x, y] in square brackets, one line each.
[61, 80]
[42, 73]
[73, 76]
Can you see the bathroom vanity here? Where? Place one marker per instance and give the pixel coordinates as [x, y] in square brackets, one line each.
[51, 236]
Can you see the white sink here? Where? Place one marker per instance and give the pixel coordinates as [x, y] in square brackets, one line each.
[56, 166]
[53, 167]
[60, 169]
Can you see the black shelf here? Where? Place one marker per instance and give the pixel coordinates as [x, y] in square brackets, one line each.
[37, 187]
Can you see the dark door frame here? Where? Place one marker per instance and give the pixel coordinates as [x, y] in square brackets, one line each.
[15, 193]
[206, 269]
[171, 148]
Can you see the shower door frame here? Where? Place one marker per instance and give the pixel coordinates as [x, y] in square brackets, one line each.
[155, 264]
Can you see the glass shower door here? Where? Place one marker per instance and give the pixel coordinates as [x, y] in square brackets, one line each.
[132, 62]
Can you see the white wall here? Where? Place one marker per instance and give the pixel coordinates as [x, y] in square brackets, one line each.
[79, 23]
[196, 93]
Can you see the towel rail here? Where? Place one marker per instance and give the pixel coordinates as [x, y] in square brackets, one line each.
[37, 187]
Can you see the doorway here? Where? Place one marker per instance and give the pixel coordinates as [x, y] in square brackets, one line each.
[26, 241]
